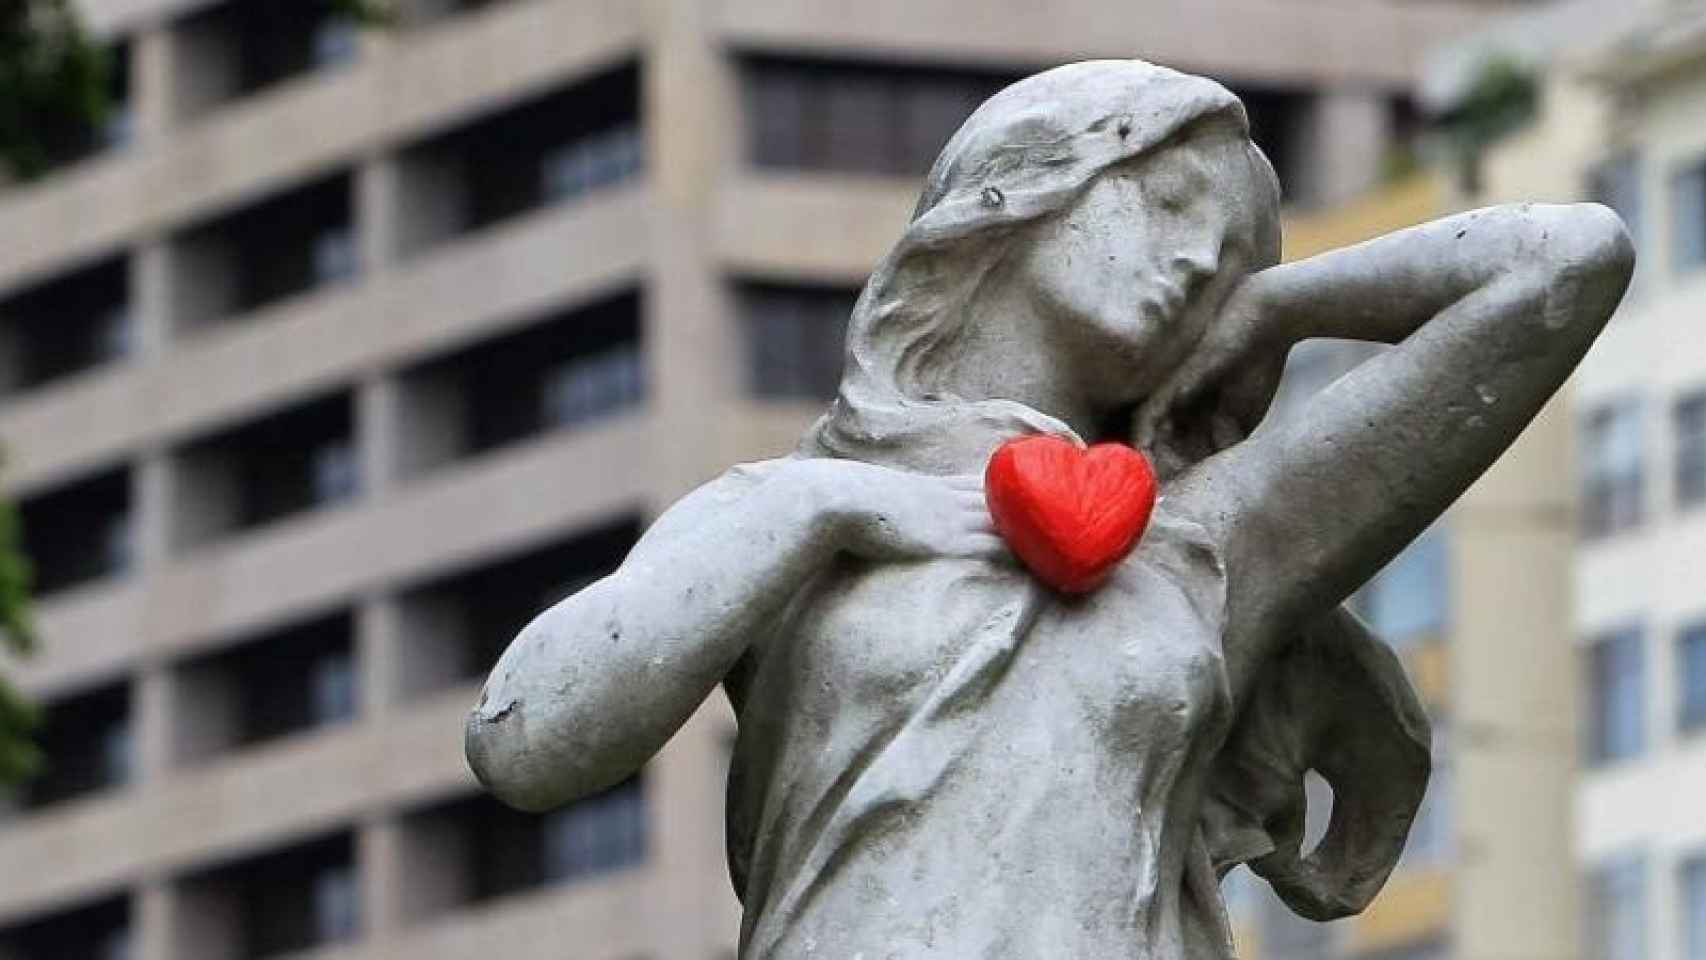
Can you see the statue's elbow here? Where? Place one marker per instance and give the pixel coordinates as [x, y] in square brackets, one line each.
[1589, 250]
[494, 743]
[1584, 258]
[535, 773]
[1609, 250]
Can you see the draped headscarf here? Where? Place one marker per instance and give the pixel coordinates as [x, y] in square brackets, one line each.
[1335, 699]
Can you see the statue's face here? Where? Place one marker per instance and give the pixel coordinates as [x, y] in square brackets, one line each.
[1131, 276]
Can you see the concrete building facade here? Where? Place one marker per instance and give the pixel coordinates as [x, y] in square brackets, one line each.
[1622, 120]
[1641, 419]
[342, 352]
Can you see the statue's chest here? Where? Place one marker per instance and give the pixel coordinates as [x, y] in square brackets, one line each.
[1139, 656]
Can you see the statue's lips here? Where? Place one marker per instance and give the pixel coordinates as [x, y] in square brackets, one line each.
[1069, 513]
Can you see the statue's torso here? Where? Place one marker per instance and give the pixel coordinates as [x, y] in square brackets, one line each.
[944, 759]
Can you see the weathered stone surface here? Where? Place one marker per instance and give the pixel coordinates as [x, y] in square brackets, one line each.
[941, 756]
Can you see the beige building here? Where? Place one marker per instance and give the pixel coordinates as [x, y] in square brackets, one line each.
[1640, 593]
[1574, 658]
[337, 355]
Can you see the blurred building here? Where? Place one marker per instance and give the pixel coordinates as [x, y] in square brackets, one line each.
[1641, 422]
[1568, 783]
[337, 354]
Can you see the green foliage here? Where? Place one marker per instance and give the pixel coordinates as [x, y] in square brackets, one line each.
[19, 757]
[1504, 98]
[55, 81]
[53, 86]
[371, 12]
[53, 99]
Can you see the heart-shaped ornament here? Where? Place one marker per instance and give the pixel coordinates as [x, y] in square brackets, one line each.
[1068, 512]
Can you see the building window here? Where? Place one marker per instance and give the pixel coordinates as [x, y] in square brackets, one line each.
[295, 460]
[795, 338]
[335, 255]
[292, 900]
[1617, 184]
[459, 624]
[71, 323]
[1689, 420]
[856, 117]
[1411, 598]
[1616, 700]
[560, 371]
[588, 387]
[590, 163]
[300, 678]
[335, 41]
[78, 533]
[474, 850]
[234, 49]
[288, 244]
[596, 835]
[1693, 906]
[99, 931]
[86, 745]
[1691, 670]
[1280, 122]
[119, 127]
[554, 148]
[336, 906]
[1611, 470]
[1616, 911]
[1688, 218]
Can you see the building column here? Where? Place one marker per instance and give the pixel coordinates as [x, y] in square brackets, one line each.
[378, 642]
[156, 699]
[154, 905]
[378, 626]
[377, 426]
[1343, 146]
[377, 205]
[1513, 688]
[379, 860]
[154, 495]
[175, 922]
[693, 353]
[692, 342]
[151, 84]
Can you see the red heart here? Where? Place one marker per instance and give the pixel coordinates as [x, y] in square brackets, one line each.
[1069, 513]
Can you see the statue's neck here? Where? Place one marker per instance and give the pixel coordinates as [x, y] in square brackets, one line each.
[1008, 353]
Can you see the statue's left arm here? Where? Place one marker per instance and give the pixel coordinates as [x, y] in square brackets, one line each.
[1489, 312]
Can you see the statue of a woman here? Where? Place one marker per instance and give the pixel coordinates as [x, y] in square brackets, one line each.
[938, 754]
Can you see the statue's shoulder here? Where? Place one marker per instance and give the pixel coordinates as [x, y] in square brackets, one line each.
[741, 481]
[745, 476]
[733, 486]
[737, 482]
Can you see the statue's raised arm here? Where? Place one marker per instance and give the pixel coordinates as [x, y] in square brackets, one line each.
[1047, 726]
[1489, 311]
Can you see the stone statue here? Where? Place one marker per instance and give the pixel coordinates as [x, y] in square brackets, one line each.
[938, 754]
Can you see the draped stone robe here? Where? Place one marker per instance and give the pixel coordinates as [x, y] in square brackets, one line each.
[946, 759]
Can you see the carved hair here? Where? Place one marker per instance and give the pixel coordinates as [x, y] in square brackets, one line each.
[1027, 154]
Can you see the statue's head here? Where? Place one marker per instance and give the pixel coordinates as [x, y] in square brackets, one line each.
[1121, 199]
